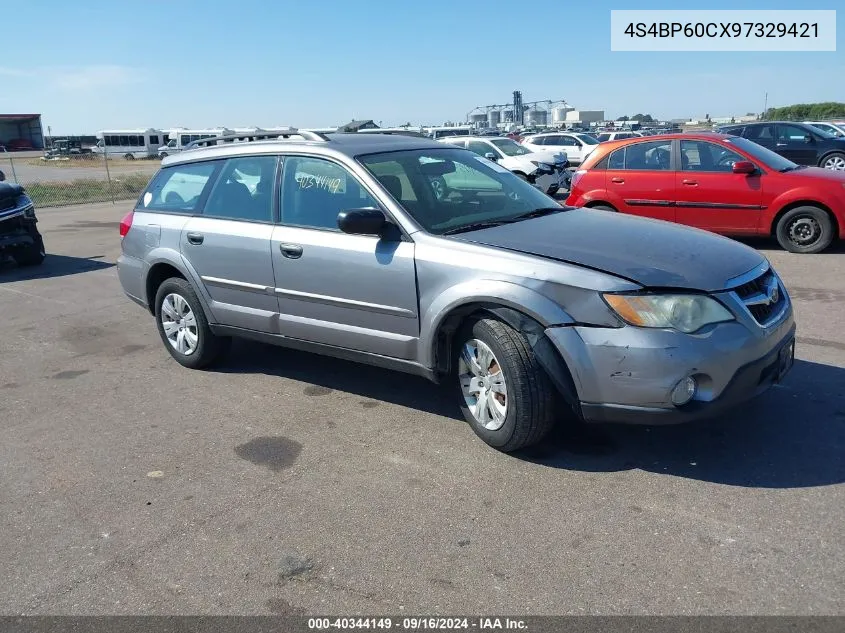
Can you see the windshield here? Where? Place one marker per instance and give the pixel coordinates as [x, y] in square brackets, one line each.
[766, 156]
[446, 189]
[586, 138]
[509, 147]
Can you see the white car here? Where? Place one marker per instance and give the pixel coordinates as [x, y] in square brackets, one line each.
[616, 136]
[837, 129]
[546, 170]
[576, 145]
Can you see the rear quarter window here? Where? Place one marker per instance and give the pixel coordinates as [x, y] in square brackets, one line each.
[178, 189]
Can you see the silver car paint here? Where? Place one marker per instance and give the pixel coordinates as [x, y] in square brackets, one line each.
[387, 300]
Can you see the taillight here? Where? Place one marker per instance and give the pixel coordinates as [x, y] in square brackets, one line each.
[576, 177]
[126, 224]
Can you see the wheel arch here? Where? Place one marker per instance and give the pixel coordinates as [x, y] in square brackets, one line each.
[600, 203]
[530, 326]
[166, 264]
[827, 155]
[803, 203]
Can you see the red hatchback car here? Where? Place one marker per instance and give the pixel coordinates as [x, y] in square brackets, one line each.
[720, 183]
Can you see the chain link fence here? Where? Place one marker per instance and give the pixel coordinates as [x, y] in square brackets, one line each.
[77, 178]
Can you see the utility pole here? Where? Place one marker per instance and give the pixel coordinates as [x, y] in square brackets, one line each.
[765, 105]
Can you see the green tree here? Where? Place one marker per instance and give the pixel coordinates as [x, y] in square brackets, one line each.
[623, 118]
[806, 112]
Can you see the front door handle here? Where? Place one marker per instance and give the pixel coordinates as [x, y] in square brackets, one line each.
[617, 180]
[691, 183]
[195, 238]
[291, 251]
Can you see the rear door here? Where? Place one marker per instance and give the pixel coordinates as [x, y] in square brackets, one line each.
[352, 291]
[797, 144]
[228, 245]
[572, 146]
[762, 135]
[710, 196]
[640, 179]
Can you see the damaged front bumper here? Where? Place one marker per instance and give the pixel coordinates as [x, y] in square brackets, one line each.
[628, 374]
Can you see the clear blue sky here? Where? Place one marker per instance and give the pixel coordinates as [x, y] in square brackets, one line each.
[130, 63]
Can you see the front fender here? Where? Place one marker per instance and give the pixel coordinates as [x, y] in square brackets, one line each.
[808, 195]
[485, 292]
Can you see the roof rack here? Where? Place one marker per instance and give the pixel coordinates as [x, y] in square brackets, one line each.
[258, 135]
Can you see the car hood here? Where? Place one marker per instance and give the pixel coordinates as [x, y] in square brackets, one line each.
[9, 190]
[817, 172]
[649, 252]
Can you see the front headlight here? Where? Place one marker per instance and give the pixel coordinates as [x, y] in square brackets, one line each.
[544, 168]
[686, 313]
[25, 202]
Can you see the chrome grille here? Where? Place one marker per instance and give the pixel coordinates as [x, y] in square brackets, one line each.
[763, 297]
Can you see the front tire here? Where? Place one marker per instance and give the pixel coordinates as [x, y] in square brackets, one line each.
[33, 254]
[129, 156]
[183, 327]
[805, 230]
[603, 207]
[506, 396]
[835, 161]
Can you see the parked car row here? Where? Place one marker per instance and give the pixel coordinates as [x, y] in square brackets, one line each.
[718, 182]
[801, 143]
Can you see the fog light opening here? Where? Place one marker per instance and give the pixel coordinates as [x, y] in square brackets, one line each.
[684, 391]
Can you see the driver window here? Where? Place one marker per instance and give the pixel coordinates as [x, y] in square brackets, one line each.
[481, 148]
[791, 133]
[315, 191]
[702, 156]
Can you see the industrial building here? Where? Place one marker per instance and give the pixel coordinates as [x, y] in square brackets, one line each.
[21, 131]
[544, 113]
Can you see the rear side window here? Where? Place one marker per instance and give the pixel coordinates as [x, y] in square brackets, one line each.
[179, 188]
[649, 156]
[603, 137]
[244, 190]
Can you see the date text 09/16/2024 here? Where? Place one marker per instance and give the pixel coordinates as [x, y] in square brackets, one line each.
[417, 623]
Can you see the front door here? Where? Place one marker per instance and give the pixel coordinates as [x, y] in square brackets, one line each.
[352, 291]
[710, 196]
[796, 144]
[228, 245]
[640, 180]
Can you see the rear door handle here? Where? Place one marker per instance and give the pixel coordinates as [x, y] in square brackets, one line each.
[195, 238]
[691, 183]
[291, 251]
[781, 145]
[617, 180]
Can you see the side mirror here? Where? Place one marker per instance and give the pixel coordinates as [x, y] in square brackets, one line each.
[744, 167]
[491, 156]
[362, 222]
[809, 139]
[2, 176]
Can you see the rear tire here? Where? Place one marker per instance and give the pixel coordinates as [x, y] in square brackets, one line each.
[33, 254]
[505, 395]
[805, 230]
[129, 156]
[183, 326]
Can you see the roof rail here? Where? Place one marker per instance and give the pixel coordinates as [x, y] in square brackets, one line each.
[258, 135]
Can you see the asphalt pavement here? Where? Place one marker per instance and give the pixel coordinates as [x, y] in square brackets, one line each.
[281, 482]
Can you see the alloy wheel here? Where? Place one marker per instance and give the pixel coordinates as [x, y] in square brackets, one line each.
[483, 384]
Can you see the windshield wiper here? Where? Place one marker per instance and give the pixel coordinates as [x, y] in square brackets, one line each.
[537, 213]
[475, 226]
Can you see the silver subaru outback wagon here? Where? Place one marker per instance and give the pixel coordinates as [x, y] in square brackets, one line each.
[407, 254]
